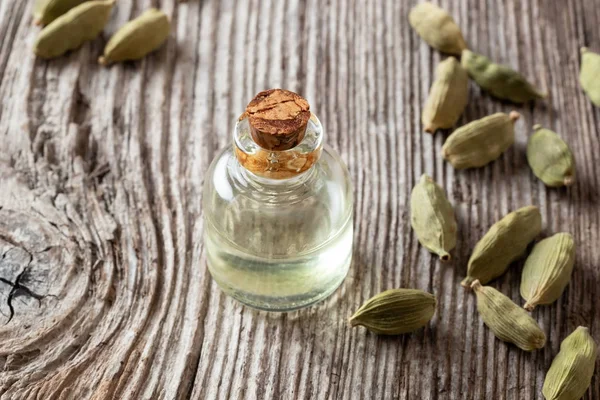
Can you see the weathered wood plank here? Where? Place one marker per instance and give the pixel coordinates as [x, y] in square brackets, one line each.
[102, 172]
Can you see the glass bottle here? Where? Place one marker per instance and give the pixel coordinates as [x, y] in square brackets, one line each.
[278, 210]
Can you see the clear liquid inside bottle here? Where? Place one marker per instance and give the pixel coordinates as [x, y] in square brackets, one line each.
[278, 224]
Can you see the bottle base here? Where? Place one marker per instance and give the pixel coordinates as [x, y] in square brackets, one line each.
[287, 303]
[272, 283]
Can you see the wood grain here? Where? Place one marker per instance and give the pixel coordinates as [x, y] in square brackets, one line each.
[104, 291]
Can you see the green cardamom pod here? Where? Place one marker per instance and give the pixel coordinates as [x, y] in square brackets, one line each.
[46, 11]
[432, 218]
[395, 311]
[548, 270]
[480, 142]
[506, 241]
[588, 77]
[447, 97]
[550, 158]
[137, 38]
[571, 371]
[501, 81]
[506, 320]
[437, 28]
[71, 30]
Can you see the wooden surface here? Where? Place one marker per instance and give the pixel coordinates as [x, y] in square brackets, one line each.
[104, 292]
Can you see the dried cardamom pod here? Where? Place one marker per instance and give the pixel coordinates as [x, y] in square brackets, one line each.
[501, 81]
[432, 217]
[550, 158]
[571, 371]
[71, 30]
[447, 97]
[481, 141]
[395, 311]
[548, 270]
[506, 241]
[588, 77]
[46, 11]
[137, 38]
[437, 28]
[506, 320]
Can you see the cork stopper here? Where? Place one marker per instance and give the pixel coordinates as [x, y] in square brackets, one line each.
[278, 119]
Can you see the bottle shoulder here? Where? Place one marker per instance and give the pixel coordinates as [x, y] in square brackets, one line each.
[324, 191]
[226, 178]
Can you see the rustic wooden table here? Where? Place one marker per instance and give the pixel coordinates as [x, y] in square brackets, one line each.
[104, 293]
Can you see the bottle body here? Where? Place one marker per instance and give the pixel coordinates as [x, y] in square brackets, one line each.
[278, 244]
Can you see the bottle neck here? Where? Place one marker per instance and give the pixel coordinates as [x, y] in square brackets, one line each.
[278, 165]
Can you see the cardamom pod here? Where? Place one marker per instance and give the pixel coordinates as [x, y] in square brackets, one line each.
[447, 97]
[501, 81]
[481, 141]
[588, 77]
[137, 38]
[506, 241]
[550, 158]
[506, 320]
[571, 371]
[437, 28]
[46, 11]
[395, 311]
[548, 270]
[432, 217]
[71, 30]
